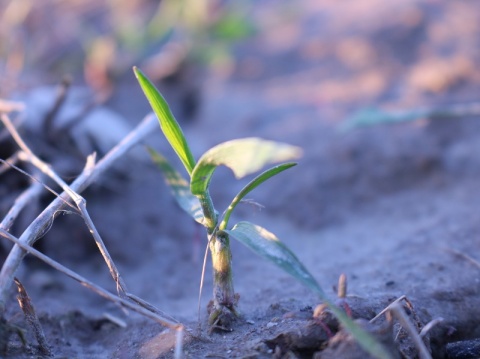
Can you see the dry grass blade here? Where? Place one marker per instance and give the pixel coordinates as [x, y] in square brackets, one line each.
[399, 299]
[63, 88]
[32, 319]
[90, 285]
[167, 322]
[10, 106]
[398, 312]
[464, 256]
[26, 197]
[28, 156]
[430, 325]
[149, 306]
[89, 174]
[8, 163]
[34, 179]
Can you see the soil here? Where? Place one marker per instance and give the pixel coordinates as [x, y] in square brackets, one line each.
[394, 207]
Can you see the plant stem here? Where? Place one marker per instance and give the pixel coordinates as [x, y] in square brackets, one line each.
[222, 311]
[209, 212]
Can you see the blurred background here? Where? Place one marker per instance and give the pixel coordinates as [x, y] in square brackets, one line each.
[290, 71]
[334, 52]
[96, 43]
[284, 70]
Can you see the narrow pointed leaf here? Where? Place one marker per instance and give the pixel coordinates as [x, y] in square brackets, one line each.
[169, 125]
[251, 186]
[242, 156]
[268, 246]
[179, 187]
[362, 337]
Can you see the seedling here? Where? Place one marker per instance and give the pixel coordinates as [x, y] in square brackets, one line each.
[243, 157]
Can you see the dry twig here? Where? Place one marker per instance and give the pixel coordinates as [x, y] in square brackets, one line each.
[464, 256]
[396, 310]
[28, 156]
[167, 322]
[90, 174]
[37, 228]
[31, 318]
[26, 197]
[399, 313]
[10, 106]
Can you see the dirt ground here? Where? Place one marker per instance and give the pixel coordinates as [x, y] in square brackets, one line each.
[394, 207]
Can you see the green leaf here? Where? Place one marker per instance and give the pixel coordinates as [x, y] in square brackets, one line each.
[179, 187]
[169, 125]
[362, 337]
[250, 187]
[268, 246]
[233, 26]
[374, 116]
[242, 156]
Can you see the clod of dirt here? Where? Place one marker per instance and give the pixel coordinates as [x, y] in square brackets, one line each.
[305, 339]
[467, 349]
[343, 345]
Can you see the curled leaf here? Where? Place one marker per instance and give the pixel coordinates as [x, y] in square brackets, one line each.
[179, 187]
[242, 156]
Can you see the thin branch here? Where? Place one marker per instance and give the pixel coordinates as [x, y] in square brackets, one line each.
[202, 279]
[8, 163]
[62, 92]
[90, 285]
[397, 310]
[28, 156]
[10, 106]
[464, 256]
[26, 197]
[88, 176]
[32, 319]
[399, 299]
[149, 307]
[430, 325]
[34, 179]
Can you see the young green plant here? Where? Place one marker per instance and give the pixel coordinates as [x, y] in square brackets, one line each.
[243, 157]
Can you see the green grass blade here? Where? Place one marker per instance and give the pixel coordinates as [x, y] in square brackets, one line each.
[179, 186]
[242, 156]
[374, 116]
[268, 246]
[363, 338]
[250, 187]
[169, 125]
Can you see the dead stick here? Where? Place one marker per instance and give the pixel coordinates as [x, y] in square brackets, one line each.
[62, 92]
[89, 175]
[10, 106]
[6, 164]
[28, 156]
[397, 310]
[90, 285]
[26, 197]
[31, 318]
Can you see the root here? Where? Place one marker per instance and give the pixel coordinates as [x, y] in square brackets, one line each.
[222, 316]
